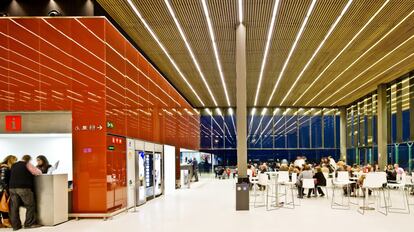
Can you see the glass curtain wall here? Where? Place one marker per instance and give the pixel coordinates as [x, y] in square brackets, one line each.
[362, 125]
[361, 130]
[400, 94]
[273, 133]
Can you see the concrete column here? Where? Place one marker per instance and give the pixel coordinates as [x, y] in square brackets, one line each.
[342, 132]
[382, 125]
[241, 100]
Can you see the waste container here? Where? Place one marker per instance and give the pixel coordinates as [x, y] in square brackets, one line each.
[242, 196]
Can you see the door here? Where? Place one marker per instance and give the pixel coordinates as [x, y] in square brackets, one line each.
[365, 156]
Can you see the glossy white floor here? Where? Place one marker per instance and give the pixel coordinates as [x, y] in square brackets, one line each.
[210, 206]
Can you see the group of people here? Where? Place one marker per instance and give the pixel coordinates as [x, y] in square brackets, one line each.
[17, 189]
[302, 168]
[320, 171]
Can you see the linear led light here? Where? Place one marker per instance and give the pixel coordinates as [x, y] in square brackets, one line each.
[190, 50]
[218, 111]
[213, 40]
[340, 53]
[261, 120]
[144, 22]
[372, 79]
[292, 49]
[317, 49]
[360, 74]
[209, 111]
[240, 6]
[360, 57]
[251, 120]
[267, 46]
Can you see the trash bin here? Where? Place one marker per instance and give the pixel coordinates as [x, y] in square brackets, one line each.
[242, 196]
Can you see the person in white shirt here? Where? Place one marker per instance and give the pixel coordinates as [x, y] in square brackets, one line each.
[299, 162]
[332, 163]
[398, 169]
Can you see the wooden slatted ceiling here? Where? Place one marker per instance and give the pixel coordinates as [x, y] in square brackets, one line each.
[257, 16]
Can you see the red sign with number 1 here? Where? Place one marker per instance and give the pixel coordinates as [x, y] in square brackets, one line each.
[13, 123]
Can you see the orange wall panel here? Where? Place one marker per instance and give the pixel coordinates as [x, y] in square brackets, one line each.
[84, 65]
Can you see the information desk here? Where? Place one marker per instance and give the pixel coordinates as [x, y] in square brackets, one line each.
[51, 193]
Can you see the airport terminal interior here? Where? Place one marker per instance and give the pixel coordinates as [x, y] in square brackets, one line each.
[206, 115]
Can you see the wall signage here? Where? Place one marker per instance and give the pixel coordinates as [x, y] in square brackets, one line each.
[88, 128]
[110, 125]
[116, 140]
[13, 123]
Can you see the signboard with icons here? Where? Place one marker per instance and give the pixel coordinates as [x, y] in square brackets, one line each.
[110, 125]
[90, 127]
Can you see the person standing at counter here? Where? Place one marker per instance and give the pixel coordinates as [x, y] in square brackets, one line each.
[43, 164]
[195, 169]
[4, 185]
[21, 192]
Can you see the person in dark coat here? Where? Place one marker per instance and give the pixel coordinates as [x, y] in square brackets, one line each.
[195, 169]
[21, 187]
[4, 185]
[320, 181]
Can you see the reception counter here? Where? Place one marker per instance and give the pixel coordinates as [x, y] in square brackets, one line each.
[51, 193]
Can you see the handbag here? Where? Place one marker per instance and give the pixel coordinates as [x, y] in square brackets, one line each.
[4, 203]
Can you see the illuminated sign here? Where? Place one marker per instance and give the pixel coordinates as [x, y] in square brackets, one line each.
[13, 123]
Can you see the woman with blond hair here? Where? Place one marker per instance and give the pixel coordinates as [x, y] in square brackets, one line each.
[4, 185]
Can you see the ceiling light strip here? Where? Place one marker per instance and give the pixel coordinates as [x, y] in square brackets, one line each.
[213, 40]
[240, 8]
[251, 122]
[360, 57]
[340, 53]
[360, 74]
[267, 46]
[144, 22]
[372, 79]
[318, 49]
[190, 50]
[298, 36]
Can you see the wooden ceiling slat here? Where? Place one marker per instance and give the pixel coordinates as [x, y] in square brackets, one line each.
[257, 16]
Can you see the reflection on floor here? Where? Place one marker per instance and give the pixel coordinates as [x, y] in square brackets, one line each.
[210, 206]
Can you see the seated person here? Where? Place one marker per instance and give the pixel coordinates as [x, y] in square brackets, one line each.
[391, 173]
[307, 173]
[320, 181]
[284, 167]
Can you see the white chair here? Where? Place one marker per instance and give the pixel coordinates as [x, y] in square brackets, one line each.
[375, 181]
[400, 185]
[328, 183]
[308, 184]
[254, 181]
[292, 185]
[263, 181]
[342, 181]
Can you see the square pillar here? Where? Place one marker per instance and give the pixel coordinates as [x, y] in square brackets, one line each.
[382, 121]
[342, 133]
